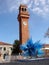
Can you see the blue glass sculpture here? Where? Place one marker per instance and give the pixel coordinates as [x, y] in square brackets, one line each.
[38, 46]
[32, 49]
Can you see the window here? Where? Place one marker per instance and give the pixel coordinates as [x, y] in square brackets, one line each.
[4, 56]
[10, 48]
[24, 9]
[4, 48]
[0, 48]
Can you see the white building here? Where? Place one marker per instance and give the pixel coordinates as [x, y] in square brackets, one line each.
[5, 51]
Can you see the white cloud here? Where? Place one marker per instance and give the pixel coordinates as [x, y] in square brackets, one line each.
[46, 9]
[37, 6]
[30, 4]
[43, 2]
[36, 2]
[25, 1]
[38, 11]
[41, 7]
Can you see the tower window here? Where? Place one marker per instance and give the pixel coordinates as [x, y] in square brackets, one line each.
[22, 9]
[25, 9]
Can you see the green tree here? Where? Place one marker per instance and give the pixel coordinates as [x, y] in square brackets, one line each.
[16, 47]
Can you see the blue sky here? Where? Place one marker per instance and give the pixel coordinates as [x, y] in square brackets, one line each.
[38, 21]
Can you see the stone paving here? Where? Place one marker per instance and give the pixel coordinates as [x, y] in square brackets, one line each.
[32, 62]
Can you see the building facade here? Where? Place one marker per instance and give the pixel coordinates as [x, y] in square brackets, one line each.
[46, 50]
[5, 51]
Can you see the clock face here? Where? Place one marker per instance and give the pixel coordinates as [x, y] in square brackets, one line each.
[24, 23]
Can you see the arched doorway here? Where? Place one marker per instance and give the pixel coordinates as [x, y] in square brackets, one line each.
[6, 56]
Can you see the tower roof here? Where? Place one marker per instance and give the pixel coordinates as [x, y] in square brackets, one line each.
[22, 6]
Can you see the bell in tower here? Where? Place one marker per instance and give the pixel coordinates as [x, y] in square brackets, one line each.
[23, 17]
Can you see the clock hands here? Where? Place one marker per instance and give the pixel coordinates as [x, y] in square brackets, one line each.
[25, 23]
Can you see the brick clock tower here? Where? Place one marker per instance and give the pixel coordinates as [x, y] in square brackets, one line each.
[23, 17]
